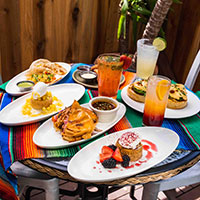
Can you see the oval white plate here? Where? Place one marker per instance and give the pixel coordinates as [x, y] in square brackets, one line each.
[84, 166]
[12, 88]
[11, 115]
[192, 108]
[46, 130]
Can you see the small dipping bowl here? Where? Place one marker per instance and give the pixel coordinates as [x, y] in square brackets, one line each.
[84, 68]
[88, 76]
[25, 85]
[105, 108]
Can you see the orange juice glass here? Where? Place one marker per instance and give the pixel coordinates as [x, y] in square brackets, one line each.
[109, 75]
[156, 100]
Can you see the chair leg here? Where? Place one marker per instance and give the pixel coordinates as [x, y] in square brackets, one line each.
[171, 194]
[132, 191]
[51, 186]
[150, 191]
[52, 190]
[21, 189]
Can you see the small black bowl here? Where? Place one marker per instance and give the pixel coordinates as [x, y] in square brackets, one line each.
[84, 68]
[25, 85]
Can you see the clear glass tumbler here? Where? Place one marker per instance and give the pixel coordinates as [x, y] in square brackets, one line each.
[156, 100]
[109, 75]
[147, 56]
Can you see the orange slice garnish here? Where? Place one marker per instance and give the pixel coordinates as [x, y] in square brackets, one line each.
[162, 88]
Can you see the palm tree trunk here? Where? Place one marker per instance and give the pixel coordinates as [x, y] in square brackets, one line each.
[157, 18]
[155, 22]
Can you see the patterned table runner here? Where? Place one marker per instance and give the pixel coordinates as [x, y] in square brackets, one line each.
[16, 142]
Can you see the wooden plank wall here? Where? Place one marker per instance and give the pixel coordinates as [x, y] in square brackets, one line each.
[183, 38]
[79, 30]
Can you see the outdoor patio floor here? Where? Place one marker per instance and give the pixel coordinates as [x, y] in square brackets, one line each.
[183, 193]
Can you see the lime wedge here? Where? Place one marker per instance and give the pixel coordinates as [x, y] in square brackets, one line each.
[159, 43]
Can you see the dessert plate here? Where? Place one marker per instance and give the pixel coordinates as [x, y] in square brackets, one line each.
[192, 108]
[46, 130]
[11, 115]
[90, 84]
[154, 140]
[12, 88]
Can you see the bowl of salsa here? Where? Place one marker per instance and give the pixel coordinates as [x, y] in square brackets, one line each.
[105, 107]
[25, 85]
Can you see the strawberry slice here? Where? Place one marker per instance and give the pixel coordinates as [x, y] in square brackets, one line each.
[127, 61]
[106, 153]
[107, 150]
[117, 155]
[103, 157]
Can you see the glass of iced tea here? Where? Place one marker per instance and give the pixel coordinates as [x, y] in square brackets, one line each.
[156, 100]
[109, 75]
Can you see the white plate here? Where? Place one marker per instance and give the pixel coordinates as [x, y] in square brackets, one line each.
[192, 108]
[11, 115]
[12, 88]
[85, 166]
[46, 130]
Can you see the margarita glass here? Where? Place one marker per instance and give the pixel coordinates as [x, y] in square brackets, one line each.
[147, 56]
[109, 75]
[156, 100]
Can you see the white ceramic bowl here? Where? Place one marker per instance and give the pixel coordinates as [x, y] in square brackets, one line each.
[88, 76]
[104, 115]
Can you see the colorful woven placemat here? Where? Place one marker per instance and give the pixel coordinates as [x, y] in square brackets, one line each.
[16, 142]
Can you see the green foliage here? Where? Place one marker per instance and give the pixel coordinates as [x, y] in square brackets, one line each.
[140, 12]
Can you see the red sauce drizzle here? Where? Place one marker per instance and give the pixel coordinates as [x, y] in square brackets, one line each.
[145, 147]
[142, 161]
[131, 166]
[149, 155]
[137, 164]
[153, 146]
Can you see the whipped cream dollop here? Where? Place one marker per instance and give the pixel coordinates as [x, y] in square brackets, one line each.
[39, 90]
[129, 140]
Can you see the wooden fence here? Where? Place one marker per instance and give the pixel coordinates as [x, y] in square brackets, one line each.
[79, 30]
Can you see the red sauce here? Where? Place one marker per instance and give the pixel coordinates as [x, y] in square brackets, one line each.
[137, 164]
[149, 155]
[145, 147]
[152, 145]
[142, 161]
[131, 166]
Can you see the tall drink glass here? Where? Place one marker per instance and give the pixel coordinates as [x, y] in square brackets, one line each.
[147, 56]
[156, 100]
[109, 75]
